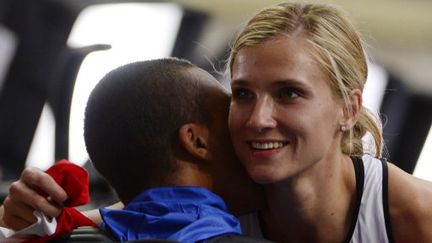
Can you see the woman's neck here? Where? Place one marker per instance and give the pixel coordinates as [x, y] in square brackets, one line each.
[316, 206]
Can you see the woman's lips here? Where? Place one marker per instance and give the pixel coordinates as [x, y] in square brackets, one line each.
[266, 149]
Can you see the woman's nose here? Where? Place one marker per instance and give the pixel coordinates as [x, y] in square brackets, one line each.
[261, 117]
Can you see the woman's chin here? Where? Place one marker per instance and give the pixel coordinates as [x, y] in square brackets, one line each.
[263, 176]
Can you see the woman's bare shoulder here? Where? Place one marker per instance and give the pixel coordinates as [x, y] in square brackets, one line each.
[410, 205]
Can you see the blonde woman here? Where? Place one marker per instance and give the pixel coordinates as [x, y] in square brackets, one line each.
[297, 122]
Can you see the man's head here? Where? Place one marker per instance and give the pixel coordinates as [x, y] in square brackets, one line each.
[158, 123]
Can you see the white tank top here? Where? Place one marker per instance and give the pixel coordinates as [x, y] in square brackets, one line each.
[371, 222]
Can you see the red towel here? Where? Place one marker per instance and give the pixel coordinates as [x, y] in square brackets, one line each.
[75, 181]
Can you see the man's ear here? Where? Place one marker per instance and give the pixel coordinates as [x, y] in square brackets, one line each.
[193, 138]
[353, 109]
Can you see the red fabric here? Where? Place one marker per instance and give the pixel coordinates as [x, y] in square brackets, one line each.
[69, 219]
[75, 181]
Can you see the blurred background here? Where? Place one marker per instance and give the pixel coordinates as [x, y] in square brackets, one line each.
[52, 53]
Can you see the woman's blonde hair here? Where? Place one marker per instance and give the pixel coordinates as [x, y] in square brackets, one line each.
[336, 46]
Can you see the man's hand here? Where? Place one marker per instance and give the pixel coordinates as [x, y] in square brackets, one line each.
[25, 197]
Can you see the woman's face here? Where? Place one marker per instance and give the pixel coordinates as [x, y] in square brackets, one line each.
[283, 117]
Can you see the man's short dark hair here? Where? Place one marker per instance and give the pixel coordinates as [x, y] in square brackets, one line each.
[132, 120]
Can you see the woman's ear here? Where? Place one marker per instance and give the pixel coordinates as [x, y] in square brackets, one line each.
[193, 138]
[352, 110]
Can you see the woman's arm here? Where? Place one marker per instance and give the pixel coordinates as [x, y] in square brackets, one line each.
[17, 210]
[94, 214]
[24, 198]
[410, 205]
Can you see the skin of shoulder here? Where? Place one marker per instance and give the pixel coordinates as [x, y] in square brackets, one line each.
[410, 206]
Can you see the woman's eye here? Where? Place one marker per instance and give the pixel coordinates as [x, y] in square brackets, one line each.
[288, 93]
[242, 94]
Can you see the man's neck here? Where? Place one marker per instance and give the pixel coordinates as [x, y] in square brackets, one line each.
[190, 174]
